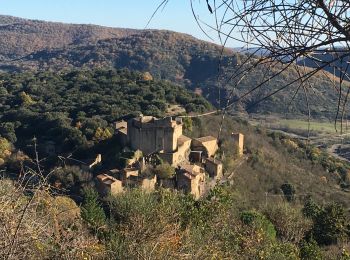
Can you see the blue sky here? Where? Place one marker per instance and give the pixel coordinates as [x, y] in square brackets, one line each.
[176, 16]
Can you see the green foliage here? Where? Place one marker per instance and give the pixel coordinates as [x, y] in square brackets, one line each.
[281, 251]
[7, 130]
[73, 108]
[179, 225]
[187, 124]
[331, 225]
[288, 191]
[289, 222]
[259, 221]
[311, 209]
[310, 251]
[133, 203]
[70, 179]
[5, 148]
[102, 134]
[26, 99]
[345, 255]
[164, 171]
[91, 210]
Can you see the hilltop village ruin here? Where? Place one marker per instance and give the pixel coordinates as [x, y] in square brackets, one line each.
[149, 140]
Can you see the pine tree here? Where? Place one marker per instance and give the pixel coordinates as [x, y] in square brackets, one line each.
[91, 211]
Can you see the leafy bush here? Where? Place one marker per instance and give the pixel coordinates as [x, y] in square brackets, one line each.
[70, 179]
[259, 221]
[164, 171]
[288, 191]
[331, 225]
[310, 251]
[289, 222]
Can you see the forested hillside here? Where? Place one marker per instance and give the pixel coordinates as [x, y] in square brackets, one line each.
[194, 64]
[77, 107]
[20, 37]
[335, 62]
[167, 55]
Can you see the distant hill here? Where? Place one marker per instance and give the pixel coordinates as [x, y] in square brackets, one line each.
[167, 55]
[20, 37]
[253, 50]
[329, 60]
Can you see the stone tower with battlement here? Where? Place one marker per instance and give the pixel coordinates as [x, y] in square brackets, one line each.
[151, 135]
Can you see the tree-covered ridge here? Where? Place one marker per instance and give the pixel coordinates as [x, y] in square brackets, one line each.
[70, 108]
[193, 64]
[165, 54]
[20, 37]
[36, 45]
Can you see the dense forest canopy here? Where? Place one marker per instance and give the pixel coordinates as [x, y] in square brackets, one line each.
[68, 108]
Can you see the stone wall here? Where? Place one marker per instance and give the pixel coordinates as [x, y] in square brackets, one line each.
[214, 168]
[153, 135]
[180, 155]
[191, 179]
[106, 184]
[238, 140]
[208, 145]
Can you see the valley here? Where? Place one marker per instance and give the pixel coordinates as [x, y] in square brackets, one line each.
[323, 134]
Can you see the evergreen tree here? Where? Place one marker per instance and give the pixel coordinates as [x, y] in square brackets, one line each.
[288, 191]
[91, 211]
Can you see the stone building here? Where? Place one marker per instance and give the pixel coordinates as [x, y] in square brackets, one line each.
[179, 155]
[214, 168]
[107, 184]
[121, 132]
[121, 126]
[163, 136]
[131, 177]
[144, 182]
[238, 140]
[207, 144]
[191, 179]
[126, 173]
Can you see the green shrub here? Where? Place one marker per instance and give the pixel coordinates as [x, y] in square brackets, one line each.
[310, 251]
[164, 171]
[259, 221]
[288, 191]
[331, 225]
[91, 210]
